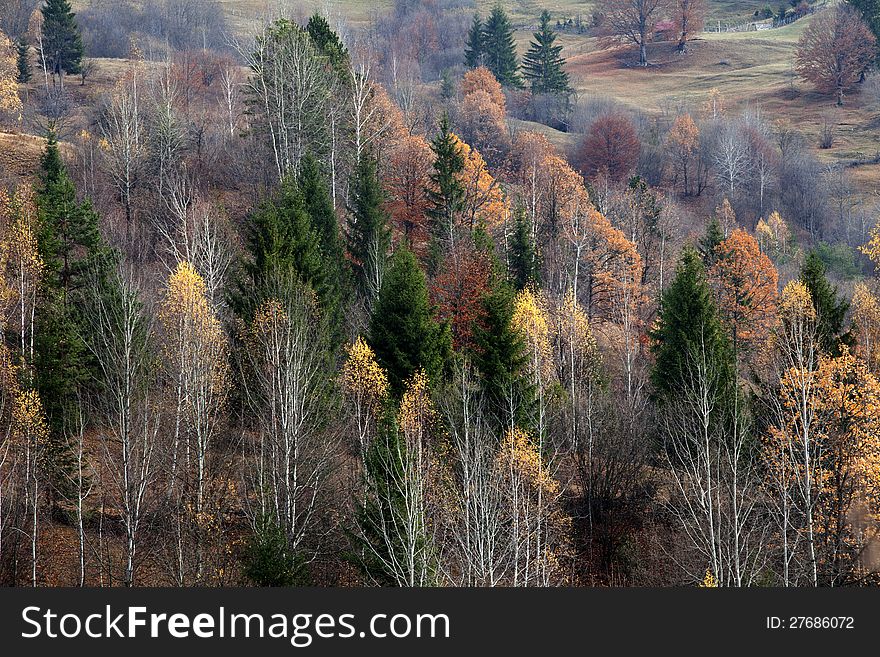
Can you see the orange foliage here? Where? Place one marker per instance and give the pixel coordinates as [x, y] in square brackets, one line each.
[406, 177]
[458, 291]
[481, 79]
[484, 203]
[746, 286]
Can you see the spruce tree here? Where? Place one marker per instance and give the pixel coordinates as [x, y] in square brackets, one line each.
[78, 269]
[501, 359]
[62, 43]
[402, 331]
[830, 309]
[690, 333]
[280, 240]
[369, 236]
[474, 49]
[322, 216]
[328, 43]
[543, 65]
[522, 255]
[713, 237]
[500, 49]
[23, 61]
[446, 193]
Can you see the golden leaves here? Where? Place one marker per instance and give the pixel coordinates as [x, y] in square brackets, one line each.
[795, 303]
[29, 419]
[416, 409]
[484, 204]
[361, 374]
[531, 319]
[519, 454]
[773, 235]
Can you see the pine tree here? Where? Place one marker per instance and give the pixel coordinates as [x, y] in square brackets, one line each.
[522, 255]
[280, 241]
[23, 61]
[369, 236]
[500, 49]
[402, 331]
[830, 309]
[543, 65]
[328, 43]
[475, 46]
[446, 194]
[322, 216]
[689, 332]
[62, 43]
[500, 357]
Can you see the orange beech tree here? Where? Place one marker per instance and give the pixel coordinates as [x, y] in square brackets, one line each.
[405, 179]
[458, 291]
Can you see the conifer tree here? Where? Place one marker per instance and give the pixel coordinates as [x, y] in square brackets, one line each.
[369, 236]
[62, 43]
[403, 332]
[543, 65]
[281, 240]
[500, 49]
[23, 61]
[689, 334]
[830, 309]
[522, 255]
[713, 237]
[475, 47]
[446, 194]
[327, 42]
[501, 358]
[319, 207]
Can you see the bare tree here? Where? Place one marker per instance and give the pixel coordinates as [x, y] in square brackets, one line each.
[689, 16]
[633, 21]
[731, 156]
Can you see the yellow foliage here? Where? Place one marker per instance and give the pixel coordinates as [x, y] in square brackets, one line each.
[866, 317]
[10, 101]
[416, 410]
[29, 419]
[361, 374]
[795, 303]
[519, 453]
[485, 204]
[530, 318]
[709, 581]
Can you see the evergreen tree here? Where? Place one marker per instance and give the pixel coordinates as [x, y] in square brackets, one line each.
[446, 193]
[522, 255]
[369, 236]
[543, 65]
[403, 332]
[78, 268]
[690, 333]
[269, 560]
[322, 216]
[500, 49]
[447, 85]
[474, 49]
[328, 43]
[713, 237]
[280, 240]
[23, 61]
[830, 309]
[62, 43]
[500, 357]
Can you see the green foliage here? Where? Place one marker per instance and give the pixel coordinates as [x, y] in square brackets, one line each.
[446, 194]
[447, 85]
[23, 61]
[501, 359]
[62, 43]
[839, 259]
[689, 333]
[713, 237]
[328, 43]
[543, 65]
[369, 236]
[280, 238]
[830, 309]
[319, 207]
[500, 49]
[402, 331]
[269, 561]
[522, 253]
[475, 44]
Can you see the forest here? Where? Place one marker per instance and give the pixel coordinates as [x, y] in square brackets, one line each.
[292, 298]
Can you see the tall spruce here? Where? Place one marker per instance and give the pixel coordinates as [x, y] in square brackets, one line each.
[369, 235]
[403, 332]
[500, 48]
[319, 207]
[830, 309]
[327, 42]
[23, 61]
[475, 44]
[543, 66]
[78, 267]
[501, 359]
[446, 193]
[710, 241]
[689, 336]
[522, 254]
[280, 241]
[62, 43]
